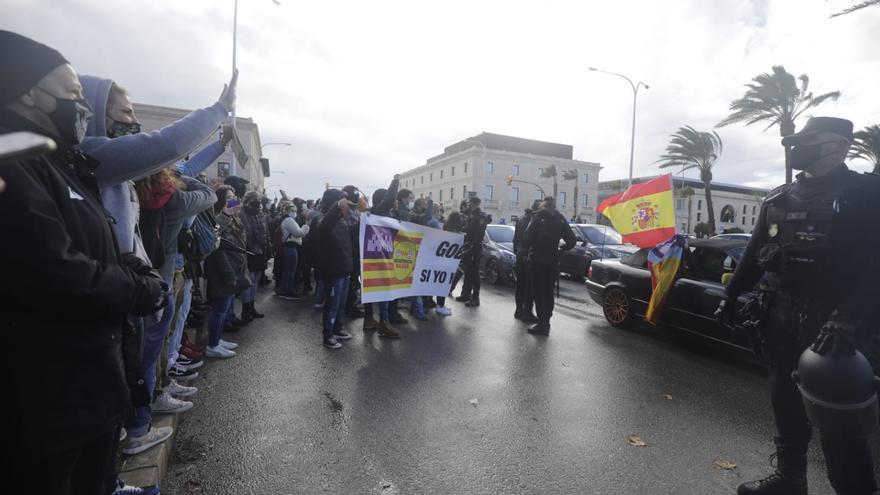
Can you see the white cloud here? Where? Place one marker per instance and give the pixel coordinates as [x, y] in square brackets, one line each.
[367, 89]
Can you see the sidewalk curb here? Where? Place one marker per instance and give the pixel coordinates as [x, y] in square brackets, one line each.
[148, 467]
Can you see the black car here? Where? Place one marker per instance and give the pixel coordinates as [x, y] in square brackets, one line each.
[623, 288]
[594, 242]
[498, 259]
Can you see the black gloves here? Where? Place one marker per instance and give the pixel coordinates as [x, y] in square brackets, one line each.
[150, 289]
[725, 312]
[836, 338]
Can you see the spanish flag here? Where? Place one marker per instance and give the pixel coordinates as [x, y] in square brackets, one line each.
[644, 214]
[663, 261]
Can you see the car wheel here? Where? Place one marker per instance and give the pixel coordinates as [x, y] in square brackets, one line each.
[492, 273]
[617, 307]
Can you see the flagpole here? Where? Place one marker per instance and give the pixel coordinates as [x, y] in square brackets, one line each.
[232, 165]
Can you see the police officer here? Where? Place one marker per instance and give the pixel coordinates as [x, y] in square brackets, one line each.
[813, 256]
[474, 230]
[524, 297]
[542, 236]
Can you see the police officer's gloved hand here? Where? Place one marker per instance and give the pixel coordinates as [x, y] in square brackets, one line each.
[836, 338]
[149, 296]
[726, 310]
[136, 264]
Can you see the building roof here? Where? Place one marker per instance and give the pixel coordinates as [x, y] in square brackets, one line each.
[689, 182]
[509, 143]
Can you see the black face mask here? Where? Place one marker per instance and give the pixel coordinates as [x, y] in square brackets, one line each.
[804, 155]
[71, 118]
[252, 207]
[118, 129]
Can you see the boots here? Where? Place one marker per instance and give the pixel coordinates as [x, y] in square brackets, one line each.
[790, 477]
[370, 324]
[387, 331]
[473, 302]
[246, 313]
[253, 311]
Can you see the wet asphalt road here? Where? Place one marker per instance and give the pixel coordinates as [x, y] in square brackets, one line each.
[552, 415]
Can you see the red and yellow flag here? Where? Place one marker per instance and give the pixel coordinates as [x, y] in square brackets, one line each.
[644, 214]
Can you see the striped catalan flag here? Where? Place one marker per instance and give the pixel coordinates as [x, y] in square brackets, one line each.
[393, 270]
[663, 262]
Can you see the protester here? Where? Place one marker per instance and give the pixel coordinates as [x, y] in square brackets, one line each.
[401, 212]
[383, 201]
[453, 224]
[256, 228]
[421, 214]
[64, 417]
[335, 263]
[292, 237]
[226, 271]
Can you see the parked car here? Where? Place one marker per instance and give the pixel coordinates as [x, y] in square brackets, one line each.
[594, 242]
[497, 262]
[623, 288]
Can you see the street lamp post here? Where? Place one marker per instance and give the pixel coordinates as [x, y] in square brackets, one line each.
[632, 142]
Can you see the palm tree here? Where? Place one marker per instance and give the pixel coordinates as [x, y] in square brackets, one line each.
[689, 148]
[858, 6]
[573, 174]
[776, 98]
[551, 172]
[867, 145]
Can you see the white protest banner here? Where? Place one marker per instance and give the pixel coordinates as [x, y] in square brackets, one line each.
[403, 259]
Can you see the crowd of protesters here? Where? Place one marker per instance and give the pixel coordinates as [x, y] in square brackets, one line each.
[127, 245]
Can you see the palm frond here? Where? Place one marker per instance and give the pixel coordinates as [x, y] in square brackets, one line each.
[867, 145]
[858, 6]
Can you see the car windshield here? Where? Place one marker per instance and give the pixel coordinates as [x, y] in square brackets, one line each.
[500, 233]
[600, 235]
[737, 253]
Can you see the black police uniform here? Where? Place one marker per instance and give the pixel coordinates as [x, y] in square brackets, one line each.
[814, 252]
[525, 300]
[545, 230]
[474, 231]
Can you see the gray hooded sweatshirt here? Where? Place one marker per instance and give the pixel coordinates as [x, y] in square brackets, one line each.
[128, 158]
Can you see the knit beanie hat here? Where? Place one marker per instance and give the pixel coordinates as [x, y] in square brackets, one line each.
[23, 62]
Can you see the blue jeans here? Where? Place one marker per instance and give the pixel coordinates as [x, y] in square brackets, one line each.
[248, 295]
[154, 337]
[180, 323]
[383, 310]
[319, 292]
[288, 276]
[417, 306]
[335, 292]
[220, 308]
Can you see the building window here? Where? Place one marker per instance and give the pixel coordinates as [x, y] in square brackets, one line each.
[514, 194]
[490, 167]
[452, 172]
[440, 195]
[698, 216]
[451, 193]
[540, 171]
[753, 210]
[538, 194]
[441, 173]
[423, 179]
[679, 204]
[562, 198]
[431, 177]
[744, 209]
[744, 221]
[585, 200]
[222, 170]
[488, 191]
[728, 214]
[421, 195]
[699, 205]
[514, 170]
[586, 178]
[464, 191]
[753, 221]
[465, 167]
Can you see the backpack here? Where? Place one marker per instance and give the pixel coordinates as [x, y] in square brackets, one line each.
[200, 239]
[277, 236]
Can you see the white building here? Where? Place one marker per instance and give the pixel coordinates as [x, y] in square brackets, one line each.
[481, 165]
[735, 206]
[153, 117]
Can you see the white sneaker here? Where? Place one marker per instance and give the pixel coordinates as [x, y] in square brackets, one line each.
[228, 345]
[165, 404]
[136, 445]
[218, 352]
[177, 390]
[443, 311]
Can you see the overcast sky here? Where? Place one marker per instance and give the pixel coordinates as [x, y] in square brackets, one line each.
[367, 89]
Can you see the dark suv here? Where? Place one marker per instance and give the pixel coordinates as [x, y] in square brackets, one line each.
[498, 259]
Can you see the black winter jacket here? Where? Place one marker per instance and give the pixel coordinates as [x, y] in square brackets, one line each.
[63, 289]
[520, 247]
[226, 267]
[543, 234]
[335, 243]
